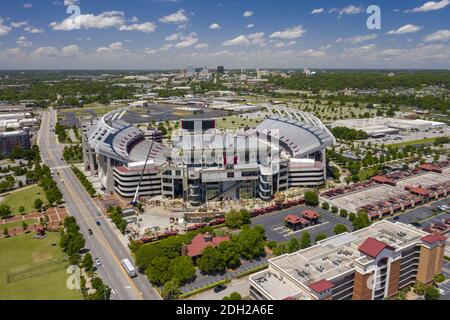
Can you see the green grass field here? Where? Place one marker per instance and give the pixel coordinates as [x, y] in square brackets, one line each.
[19, 224]
[25, 197]
[412, 143]
[35, 269]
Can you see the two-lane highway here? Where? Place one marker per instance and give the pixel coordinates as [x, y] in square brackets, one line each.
[104, 243]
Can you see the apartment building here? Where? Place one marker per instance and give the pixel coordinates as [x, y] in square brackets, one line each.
[369, 264]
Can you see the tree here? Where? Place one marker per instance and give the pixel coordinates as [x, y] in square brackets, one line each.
[351, 216]
[439, 278]
[432, 293]
[361, 221]
[38, 204]
[5, 210]
[305, 241]
[419, 288]
[340, 228]
[24, 226]
[281, 248]
[311, 198]
[334, 209]
[5, 232]
[182, 269]
[235, 296]
[321, 237]
[21, 209]
[236, 219]
[293, 245]
[325, 206]
[171, 290]
[343, 213]
[88, 263]
[158, 271]
[212, 262]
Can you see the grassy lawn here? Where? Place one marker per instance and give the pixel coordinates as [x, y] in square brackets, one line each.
[411, 143]
[234, 122]
[18, 224]
[25, 197]
[365, 174]
[40, 273]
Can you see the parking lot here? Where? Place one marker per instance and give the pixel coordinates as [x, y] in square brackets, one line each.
[273, 223]
[205, 280]
[424, 215]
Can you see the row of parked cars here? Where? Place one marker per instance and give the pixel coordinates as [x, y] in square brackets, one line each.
[276, 207]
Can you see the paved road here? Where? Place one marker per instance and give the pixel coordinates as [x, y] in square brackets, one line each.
[103, 244]
[241, 286]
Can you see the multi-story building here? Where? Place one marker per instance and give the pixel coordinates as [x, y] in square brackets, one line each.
[201, 163]
[10, 140]
[369, 264]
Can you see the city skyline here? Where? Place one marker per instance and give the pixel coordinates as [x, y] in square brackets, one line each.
[170, 34]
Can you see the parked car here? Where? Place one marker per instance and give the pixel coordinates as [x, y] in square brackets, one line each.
[396, 218]
[219, 288]
[98, 223]
[98, 263]
[90, 232]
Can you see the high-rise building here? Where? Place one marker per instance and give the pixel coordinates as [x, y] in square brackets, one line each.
[220, 70]
[190, 70]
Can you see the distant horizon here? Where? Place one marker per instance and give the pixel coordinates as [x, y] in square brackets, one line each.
[236, 69]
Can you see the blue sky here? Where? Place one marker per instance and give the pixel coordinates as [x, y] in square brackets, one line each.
[170, 34]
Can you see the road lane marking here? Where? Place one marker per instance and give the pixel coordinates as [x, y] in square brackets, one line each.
[101, 238]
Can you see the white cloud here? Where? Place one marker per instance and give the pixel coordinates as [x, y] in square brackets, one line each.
[187, 41]
[316, 11]
[28, 5]
[70, 50]
[19, 24]
[441, 35]
[177, 17]
[4, 30]
[146, 27]
[238, 41]
[257, 38]
[409, 28]
[33, 30]
[104, 20]
[290, 33]
[23, 42]
[215, 26]
[202, 46]
[357, 39]
[116, 46]
[251, 25]
[166, 47]
[431, 6]
[173, 37]
[70, 2]
[351, 9]
[248, 14]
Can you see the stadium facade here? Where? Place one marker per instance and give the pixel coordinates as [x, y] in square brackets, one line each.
[201, 163]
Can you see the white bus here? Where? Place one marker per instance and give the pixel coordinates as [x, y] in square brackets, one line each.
[126, 264]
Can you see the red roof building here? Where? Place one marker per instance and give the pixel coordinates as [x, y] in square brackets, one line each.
[373, 247]
[311, 215]
[433, 238]
[383, 180]
[201, 242]
[419, 191]
[292, 218]
[430, 167]
[321, 286]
